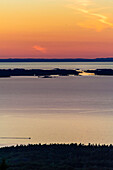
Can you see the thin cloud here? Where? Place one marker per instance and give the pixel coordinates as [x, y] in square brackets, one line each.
[39, 49]
[83, 6]
[101, 18]
[83, 10]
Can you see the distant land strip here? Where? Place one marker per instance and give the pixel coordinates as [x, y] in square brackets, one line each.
[53, 73]
[57, 60]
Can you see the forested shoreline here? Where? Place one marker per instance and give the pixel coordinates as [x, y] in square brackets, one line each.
[57, 157]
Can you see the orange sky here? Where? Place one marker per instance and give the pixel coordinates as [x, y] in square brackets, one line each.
[56, 29]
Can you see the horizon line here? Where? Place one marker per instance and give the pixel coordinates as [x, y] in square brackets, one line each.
[56, 58]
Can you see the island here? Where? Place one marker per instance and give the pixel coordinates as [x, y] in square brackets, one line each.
[4, 73]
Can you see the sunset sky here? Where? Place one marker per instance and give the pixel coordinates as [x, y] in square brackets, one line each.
[56, 28]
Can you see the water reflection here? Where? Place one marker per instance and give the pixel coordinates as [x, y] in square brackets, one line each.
[58, 128]
[86, 74]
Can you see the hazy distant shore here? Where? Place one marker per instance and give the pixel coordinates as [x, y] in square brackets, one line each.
[57, 156]
[53, 72]
[57, 60]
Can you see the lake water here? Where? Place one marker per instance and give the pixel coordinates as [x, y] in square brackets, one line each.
[52, 65]
[57, 110]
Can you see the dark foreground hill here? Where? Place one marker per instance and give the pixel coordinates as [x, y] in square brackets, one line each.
[57, 157]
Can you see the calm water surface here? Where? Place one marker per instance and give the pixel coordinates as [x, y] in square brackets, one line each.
[52, 65]
[57, 110]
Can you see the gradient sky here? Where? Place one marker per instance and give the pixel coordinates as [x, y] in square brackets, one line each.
[56, 28]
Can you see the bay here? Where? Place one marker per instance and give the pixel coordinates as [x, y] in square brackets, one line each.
[57, 110]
